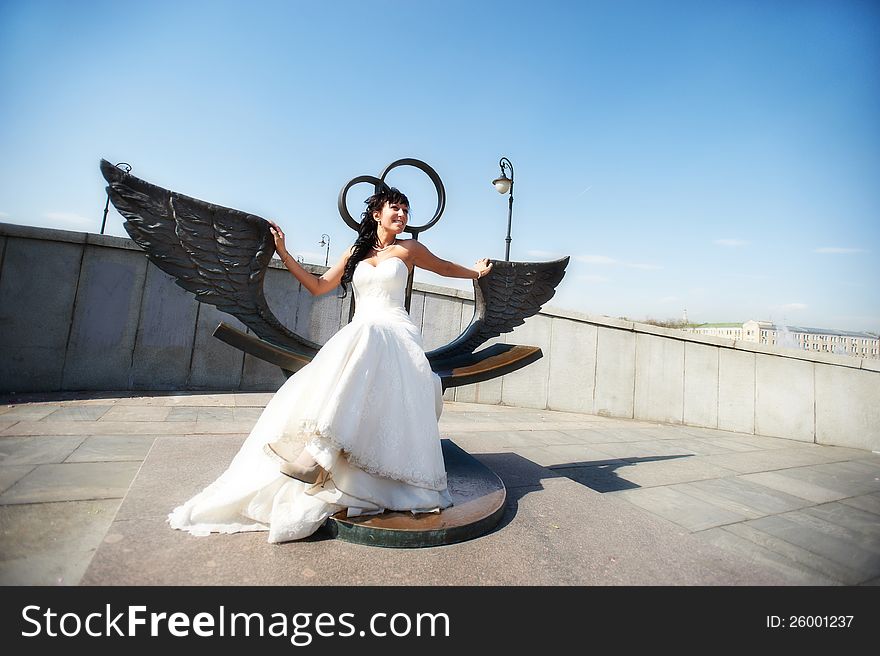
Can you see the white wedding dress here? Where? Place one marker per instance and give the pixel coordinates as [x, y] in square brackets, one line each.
[366, 408]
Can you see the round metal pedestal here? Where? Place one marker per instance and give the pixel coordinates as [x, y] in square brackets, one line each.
[478, 496]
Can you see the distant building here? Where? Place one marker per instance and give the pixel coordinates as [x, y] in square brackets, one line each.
[820, 340]
[729, 330]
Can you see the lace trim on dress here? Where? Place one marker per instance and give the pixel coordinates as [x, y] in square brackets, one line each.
[315, 435]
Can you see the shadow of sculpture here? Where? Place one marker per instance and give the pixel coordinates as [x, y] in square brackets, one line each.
[602, 475]
[522, 476]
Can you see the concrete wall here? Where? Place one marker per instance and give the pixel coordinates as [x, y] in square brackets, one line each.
[87, 312]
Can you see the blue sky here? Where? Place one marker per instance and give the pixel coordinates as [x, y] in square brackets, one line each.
[720, 156]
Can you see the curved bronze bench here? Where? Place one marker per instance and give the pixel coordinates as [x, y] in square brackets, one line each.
[485, 364]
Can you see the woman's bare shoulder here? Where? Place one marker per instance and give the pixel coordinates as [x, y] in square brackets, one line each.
[412, 245]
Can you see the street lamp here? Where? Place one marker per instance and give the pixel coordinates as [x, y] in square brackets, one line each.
[505, 185]
[125, 166]
[325, 241]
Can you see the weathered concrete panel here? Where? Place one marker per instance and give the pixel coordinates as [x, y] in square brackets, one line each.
[164, 343]
[465, 393]
[261, 376]
[215, 364]
[315, 318]
[470, 393]
[303, 302]
[442, 321]
[572, 361]
[325, 315]
[282, 292]
[784, 402]
[847, 407]
[659, 380]
[488, 392]
[105, 319]
[736, 391]
[38, 283]
[615, 372]
[700, 385]
[417, 309]
[527, 388]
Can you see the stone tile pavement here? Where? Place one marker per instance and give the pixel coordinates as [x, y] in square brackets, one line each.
[591, 500]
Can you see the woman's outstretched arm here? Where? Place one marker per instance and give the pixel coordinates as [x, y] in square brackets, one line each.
[425, 259]
[316, 285]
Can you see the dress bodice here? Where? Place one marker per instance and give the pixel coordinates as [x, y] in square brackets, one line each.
[381, 287]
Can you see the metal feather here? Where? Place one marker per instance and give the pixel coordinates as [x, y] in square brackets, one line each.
[512, 292]
[219, 254]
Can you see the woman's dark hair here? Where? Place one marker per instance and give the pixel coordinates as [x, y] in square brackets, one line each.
[367, 232]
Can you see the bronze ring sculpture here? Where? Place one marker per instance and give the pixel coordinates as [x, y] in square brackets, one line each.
[380, 182]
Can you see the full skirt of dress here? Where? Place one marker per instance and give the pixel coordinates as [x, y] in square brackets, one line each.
[366, 408]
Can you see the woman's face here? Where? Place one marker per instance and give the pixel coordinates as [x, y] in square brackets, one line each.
[393, 217]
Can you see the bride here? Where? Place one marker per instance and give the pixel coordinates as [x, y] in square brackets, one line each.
[355, 429]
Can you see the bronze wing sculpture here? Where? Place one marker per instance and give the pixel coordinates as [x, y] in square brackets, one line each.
[221, 255]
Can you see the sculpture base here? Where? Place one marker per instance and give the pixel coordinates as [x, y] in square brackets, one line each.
[478, 496]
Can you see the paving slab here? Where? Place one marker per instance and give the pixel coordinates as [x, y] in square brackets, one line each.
[136, 413]
[37, 450]
[112, 448]
[181, 399]
[217, 414]
[183, 413]
[851, 478]
[568, 455]
[595, 436]
[32, 412]
[795, 572]
[252, 399]
[787, 481]
[868, 502]
[741, 442]
[768, 460]
[683, 509]
[652, 471]
[219, 426]
[742, 496]
[699, 446]
[833, 542]
[99, 428]
[79, 413]
[796, 555]
[10, 475]
[861, 524]
[52, 543]
[245, 413]
[837, 478]
[646, 449]
[72, 482]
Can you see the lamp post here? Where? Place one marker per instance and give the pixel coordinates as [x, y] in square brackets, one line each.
[505, 185]
[325, 241]
[125, 166]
